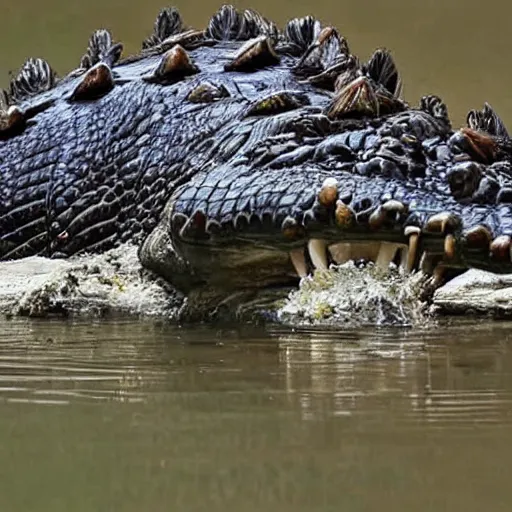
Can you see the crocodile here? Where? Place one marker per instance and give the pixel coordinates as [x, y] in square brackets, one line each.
[242, 157]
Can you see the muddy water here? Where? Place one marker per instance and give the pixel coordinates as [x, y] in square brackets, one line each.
[459, 50]
[139, 416]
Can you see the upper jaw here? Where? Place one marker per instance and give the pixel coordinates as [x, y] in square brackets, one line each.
[273, 248]
[255, 222]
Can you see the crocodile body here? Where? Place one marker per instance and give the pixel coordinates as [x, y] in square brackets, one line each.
[234, 154]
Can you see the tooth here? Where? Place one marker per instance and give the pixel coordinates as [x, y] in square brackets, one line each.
[404, 259]
[478, 237]
[329, 192]
[377, 218]
[501, 247]
[344, 215]
[413, 232]
[449, 247]
[195, 227]
[386, 254]
[291, 228]
[438, 274]
[426, 263]
[178, 220]
[213, 227]
[384, 213]
[392, 205]
[318, 253]
[299, 262]
[341, 252]
[439, 222]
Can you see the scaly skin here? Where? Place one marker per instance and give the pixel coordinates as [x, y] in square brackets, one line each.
[219, 190]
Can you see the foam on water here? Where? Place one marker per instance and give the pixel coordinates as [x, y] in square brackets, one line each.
[354, 295]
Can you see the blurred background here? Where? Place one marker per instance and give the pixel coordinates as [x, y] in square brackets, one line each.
[458, 50]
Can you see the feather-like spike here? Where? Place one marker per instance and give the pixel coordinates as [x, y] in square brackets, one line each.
[34, 77]
[167, 23]
[488, 121]
[258, 25]
[382, 69]
[300, 33]
[436, 107]
[101, 48]
[227, 24]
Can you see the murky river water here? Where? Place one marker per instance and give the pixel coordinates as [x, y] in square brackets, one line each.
[139, 416]
[136, 416]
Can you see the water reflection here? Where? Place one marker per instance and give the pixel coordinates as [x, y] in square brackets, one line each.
[460, 378]
[141, 416]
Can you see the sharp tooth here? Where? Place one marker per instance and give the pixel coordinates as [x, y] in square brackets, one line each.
[413, 232]
[341, 252]
[329, 192]
[404, 258]
[299, 262]
[318, 253]
[443, 222]
[387, 213]
[501, 247]
[438, 274]
[344, 215]
[427, 263]
[478, 237]
[449, 247]
[386, 254]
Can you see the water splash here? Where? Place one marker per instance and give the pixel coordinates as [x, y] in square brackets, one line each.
[354, 295]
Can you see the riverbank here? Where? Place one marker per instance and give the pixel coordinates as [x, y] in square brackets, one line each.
[114, 283]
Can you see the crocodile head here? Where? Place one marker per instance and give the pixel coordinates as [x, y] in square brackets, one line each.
[303, 177]
[309, 190]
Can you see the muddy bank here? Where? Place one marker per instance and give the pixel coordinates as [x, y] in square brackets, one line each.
[115, 283]
[109, 283]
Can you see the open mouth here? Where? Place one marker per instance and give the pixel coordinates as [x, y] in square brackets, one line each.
[336, 224]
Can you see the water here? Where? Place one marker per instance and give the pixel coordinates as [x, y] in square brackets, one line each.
[141, 416]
